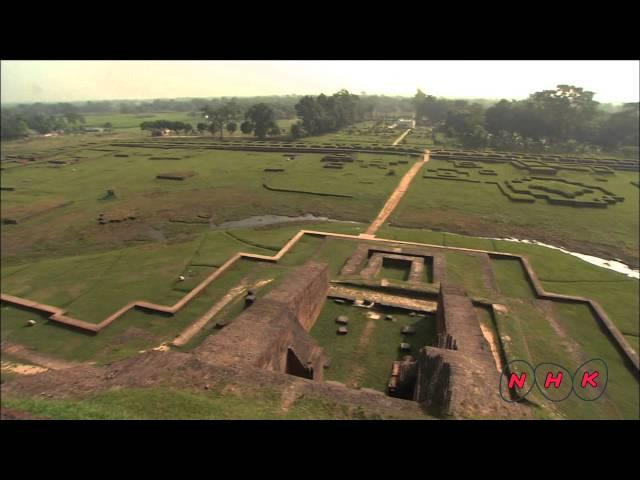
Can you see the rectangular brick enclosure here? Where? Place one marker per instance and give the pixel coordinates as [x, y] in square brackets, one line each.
[422, 265]
[272, 333]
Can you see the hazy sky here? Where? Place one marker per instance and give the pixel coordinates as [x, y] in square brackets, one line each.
[53, 80]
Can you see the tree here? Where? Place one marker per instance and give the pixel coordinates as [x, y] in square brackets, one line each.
[202, 127]
[73, 117]
[621, 128]
[564, 110]
[297, 130]
[246, 127]
[499, 117]
[12, 126]
[326, 114]
[232, 127]
[262, 119]
[463, 118]
[220, 116]
[40, 123]
[429, 109]
[476, 138]
[274, 131]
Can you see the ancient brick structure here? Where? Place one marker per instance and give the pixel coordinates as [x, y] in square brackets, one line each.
[458, 376]
[272, 333]
[367, 261]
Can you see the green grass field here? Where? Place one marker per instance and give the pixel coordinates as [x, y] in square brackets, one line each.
[174, 404]
[480, 209]
[364, 356]
[58, 253]
[57, 208]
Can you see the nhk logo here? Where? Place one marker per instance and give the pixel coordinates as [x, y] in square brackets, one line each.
[554, 381]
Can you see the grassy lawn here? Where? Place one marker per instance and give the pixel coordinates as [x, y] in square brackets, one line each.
[465, 270]
[92, 287]
[364, 356]
[622, 388]
[394, 270]
[134, 331]
[526, 334]
[334, 253]
[59, 254]
[57, 206]
[511, 278]
[174, 404]
[480, 209]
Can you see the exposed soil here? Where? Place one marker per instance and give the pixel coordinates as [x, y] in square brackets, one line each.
[13, 414]
[133, 333]
[22, 369]
[184, 371]
[488, 335]
[20, 352]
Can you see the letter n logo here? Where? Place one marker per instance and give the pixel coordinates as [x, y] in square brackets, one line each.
[517, 380]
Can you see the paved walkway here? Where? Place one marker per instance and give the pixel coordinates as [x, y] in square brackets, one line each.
[396, 196]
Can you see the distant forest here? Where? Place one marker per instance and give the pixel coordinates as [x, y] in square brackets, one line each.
[565, 118]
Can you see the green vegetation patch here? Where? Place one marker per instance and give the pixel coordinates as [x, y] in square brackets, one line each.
[511, 278]
[180, 404]
[363, 357]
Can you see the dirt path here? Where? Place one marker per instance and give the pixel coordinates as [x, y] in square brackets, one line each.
[24, 353]
[399, 139]
[396, 196]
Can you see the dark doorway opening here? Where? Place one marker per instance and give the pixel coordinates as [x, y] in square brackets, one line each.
[402, 381]
[295, 367]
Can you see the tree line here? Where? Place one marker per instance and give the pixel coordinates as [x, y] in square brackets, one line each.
[566, 118]
[259, 119]
[324, 114]
[317, 115]
[167, 124]
[257, 115]
[14, 124]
